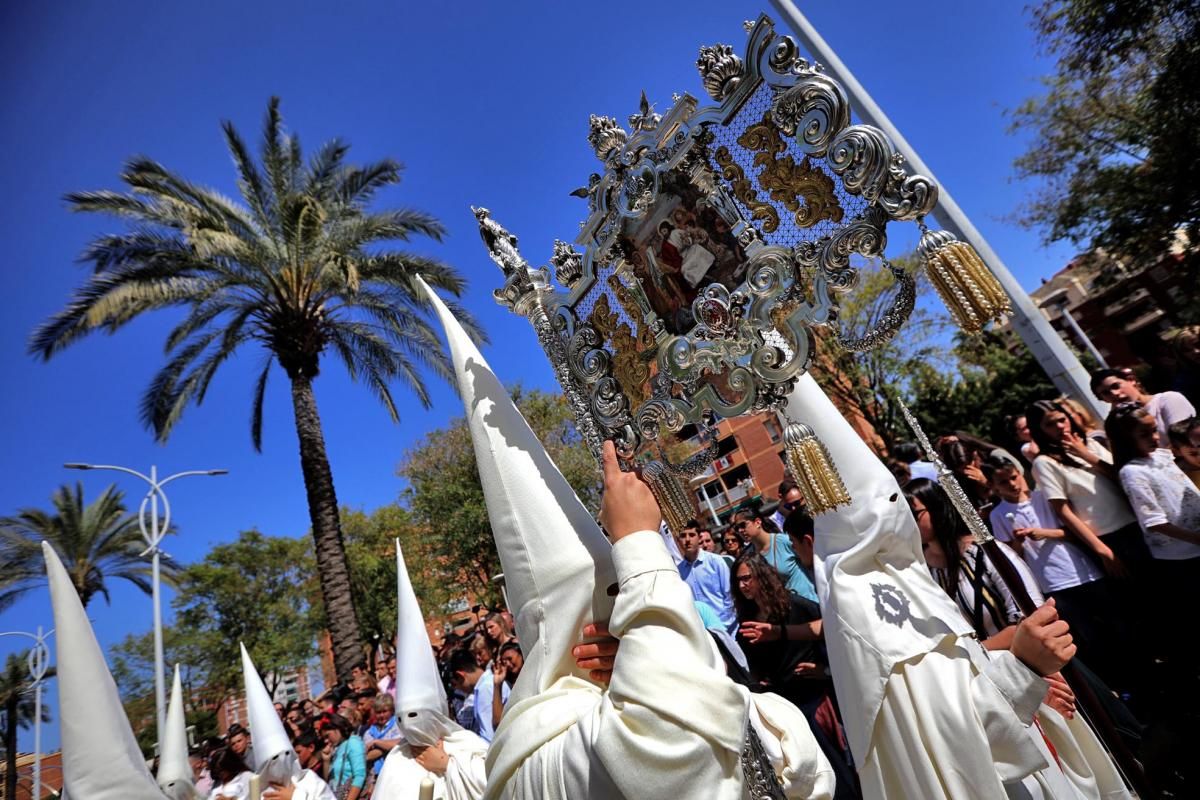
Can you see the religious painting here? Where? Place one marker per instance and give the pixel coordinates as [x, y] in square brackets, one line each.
[678, 248]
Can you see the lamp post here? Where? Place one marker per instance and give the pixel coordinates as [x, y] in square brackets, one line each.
[38, 662]
[153, 536]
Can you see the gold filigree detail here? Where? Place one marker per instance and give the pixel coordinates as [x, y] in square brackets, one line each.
[788, 182]
[629, 368]
[744, 190]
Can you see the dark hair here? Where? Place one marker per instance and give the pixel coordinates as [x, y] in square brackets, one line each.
[900, 470]
[361, 665]
[785, 486]
[369, 692]
[340, 724]
[234, 729]
[692, 524]
[1180, 432]
[798, 524]
[509, 647]
[993, 464]
[306, 738]
[1101, 375]
[1122, 421]
[668, 225]
[908, 452]
[1037, 411]
[462, 660]
[776, 600]
[948, 526]
[224, 764]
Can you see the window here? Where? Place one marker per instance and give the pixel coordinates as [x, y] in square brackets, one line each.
[726, 446]
[774, 429]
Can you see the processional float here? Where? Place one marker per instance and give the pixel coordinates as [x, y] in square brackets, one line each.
[719, 243]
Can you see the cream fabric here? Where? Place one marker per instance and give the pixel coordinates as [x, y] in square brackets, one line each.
[270, 737]
[420, 697]
[101, 759]
[671, 723]
[929, 715]
[310, 787]
[174, 767]
[465, 778]
[1095, 498]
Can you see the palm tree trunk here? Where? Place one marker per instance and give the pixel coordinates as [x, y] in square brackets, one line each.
[10, 744]
[345, 638]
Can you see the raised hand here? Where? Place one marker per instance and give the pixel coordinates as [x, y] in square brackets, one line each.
[1043, 641]
[628, 504]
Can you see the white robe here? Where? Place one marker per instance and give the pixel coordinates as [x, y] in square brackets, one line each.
[310, 787]
[671, 723]
[928, 713]
[465, 778]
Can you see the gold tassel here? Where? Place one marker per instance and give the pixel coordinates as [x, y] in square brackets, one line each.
[968, 288]
[814, 470]
[673, 499]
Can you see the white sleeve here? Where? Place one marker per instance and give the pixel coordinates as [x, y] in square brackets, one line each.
[1048, 475]
[1175, 408]
[466, 781]
[1001, 526]
[1141, 496]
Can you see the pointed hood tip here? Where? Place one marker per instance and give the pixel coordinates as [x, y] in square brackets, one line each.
[270, 737]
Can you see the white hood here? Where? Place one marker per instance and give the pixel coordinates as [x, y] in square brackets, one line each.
[266, 728]
[174, 768]
[420, 697]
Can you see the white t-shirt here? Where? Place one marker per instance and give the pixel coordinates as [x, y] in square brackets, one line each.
[1167, 408]
[1094, 498]
[1160, 492]
[1056, 563]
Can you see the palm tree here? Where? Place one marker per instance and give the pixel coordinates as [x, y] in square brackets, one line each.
[19, 708]
[302, 268]
[96, 542]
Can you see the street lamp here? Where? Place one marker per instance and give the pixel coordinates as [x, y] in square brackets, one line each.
[38, 663]
[153, 536]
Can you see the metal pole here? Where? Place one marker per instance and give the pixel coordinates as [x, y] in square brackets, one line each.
[160, 688]
[38, 662]
[1039, 335]
[1083, 337]
[37, 738]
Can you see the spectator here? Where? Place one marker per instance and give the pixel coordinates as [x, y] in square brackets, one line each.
[230, 775]
[466, 678]
[279, 709]
[308, 748]
[790, 498]
[900, 470]
[1081, 592]
[706, 541]
[1186, 344]
[505, 669]
[910, 453]
[780, 634]
[238, 739]
[293, 720]
[731, 543]
[497, 632]
[962, 568]
[387, 684]
[1017, 428]
[706, 575]
[482, 650]
[1078, 478]
[1185, 442]
[201, 778]
[382, 735]
[966, 464]
[1166, 408]
[1083, 418]
[800, 532]
[364, 701]
[309, 708]
[347, 763]
[777, 550]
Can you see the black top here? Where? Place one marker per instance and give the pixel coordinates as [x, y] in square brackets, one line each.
[773, 664]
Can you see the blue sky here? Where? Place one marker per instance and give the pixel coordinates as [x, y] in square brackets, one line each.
[487, 104]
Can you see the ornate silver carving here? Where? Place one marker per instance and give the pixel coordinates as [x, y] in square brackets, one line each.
[605, 136]
[891, 321]
[568, 264]
[645, 119]
[831, 254]
[761, 782]
[720, 70]
[815, 109]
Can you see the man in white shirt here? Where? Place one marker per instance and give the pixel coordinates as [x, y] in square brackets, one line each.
[707, 575]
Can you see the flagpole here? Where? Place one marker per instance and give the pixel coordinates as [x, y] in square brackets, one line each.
[1051, 352]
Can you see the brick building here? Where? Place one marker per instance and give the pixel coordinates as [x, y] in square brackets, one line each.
[292, 686]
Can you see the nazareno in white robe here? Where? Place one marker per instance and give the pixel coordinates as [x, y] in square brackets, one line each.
[309, 786]
[465, 778]
[928, 712]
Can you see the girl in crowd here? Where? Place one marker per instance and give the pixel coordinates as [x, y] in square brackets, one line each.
[1167, 505]
[962, 568]
[1167, 408]
[1079, 480]
[348, 763]
[230, 775]
[1083, 418]
[780, 634]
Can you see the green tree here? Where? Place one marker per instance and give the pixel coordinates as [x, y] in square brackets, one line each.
[301, 268]
[446, 499]
[258, 590]
[871, 382]
[19, 707]
[97, 541]
[1116, 131]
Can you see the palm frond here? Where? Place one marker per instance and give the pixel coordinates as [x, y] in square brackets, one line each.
[256, 410]
[250, 181]
[359, 184]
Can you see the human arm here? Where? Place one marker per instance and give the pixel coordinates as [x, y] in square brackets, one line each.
[499, 673]
[1082, 531]
[1036, 534]
[356, 763]
[1176, 532]
[1080, 448]
[1139, 486]
[754, 632]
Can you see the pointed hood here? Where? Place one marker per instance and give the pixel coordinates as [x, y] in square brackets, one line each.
[549, 544]
[174, 768]
[101, 759]
[266, 728]
[420, 696]
[879, 600]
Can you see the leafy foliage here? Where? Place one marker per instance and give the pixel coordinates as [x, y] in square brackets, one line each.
[96, 541]
[446, 499]
[1115, 134]
[259, 590]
